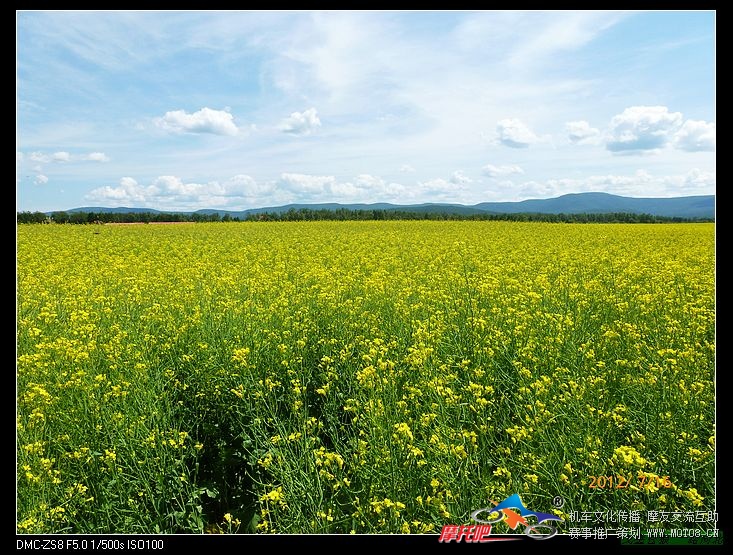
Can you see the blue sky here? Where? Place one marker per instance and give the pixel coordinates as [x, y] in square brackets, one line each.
[235, 110]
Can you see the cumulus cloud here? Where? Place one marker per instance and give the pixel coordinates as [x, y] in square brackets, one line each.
[536, 189]
[169, 192]
[206, 120]
[501, 171]
[459, 178]
[437, 185]
[307, 184]
[128, 183]
[375, 187]
[128, 192]
[301, 123]
[39, 157]
[344, 191]
[96, 157]
[514, 133]
[696, 179]
[244, 186]
[695, 136]
[641, 129]
[581, 133]
[326, 188]
[640, 183]
[438, 190]
[620, 184]
[172, 185]
[238, 188]
[61, 157]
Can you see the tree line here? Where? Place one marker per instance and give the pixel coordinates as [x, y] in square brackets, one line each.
[340, 214]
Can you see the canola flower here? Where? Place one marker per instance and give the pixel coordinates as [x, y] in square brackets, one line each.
[365, 377]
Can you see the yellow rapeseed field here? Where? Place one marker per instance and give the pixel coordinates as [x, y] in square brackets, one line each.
[367, 377]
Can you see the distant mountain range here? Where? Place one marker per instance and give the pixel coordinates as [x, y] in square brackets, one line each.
[577, 203]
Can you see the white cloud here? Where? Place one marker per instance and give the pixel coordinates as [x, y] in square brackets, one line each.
[326, 188]
[534, 189]
[438, 185]
[514, 133]
[168, 192]
[172, 185]
[406, 168]
[344, 191]
[128, 183]
[240, 188]
[556, 32]
[459, 178]
[61, 157]
[39, 157]
[620, 184]
[695, 136]
[40, 179]
[368, 181]
[96, 157]
[299, 183]
[439, 190]
[697, 179]
[206, 120]
[164, 191]
[301, 123]
[642, 128]
[500, 171]
[128, 192]
[372, 187]
[639, 184]
[320, 52]
[246, 187]
[581, 133]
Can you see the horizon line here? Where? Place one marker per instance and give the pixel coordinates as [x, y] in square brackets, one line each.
[346, 204]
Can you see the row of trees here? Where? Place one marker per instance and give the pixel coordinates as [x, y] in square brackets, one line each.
[306, 214]
[113, 218]
[341, 214]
